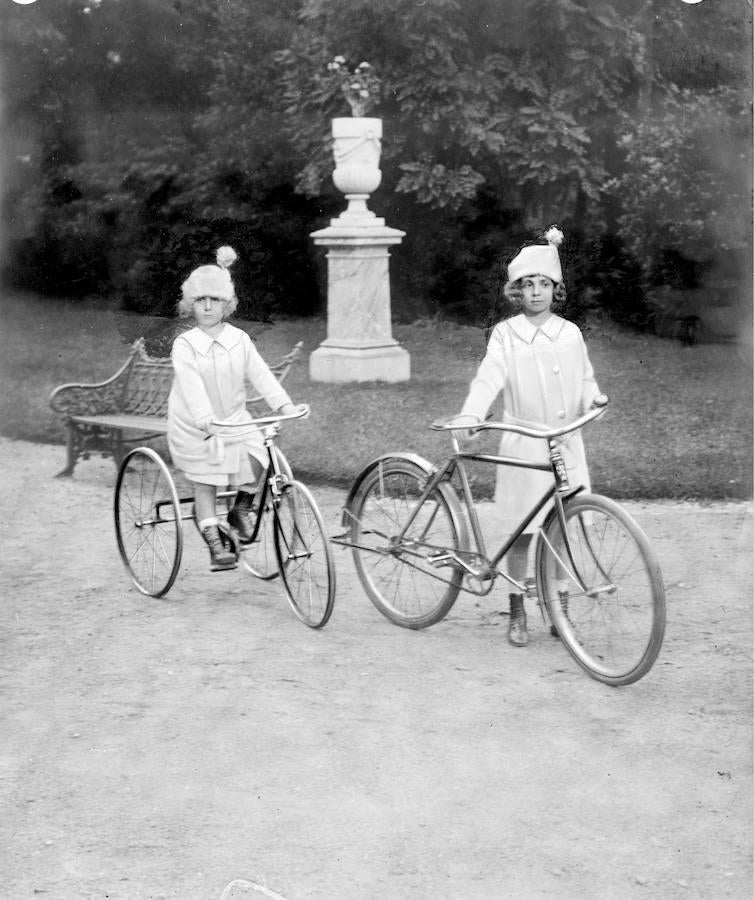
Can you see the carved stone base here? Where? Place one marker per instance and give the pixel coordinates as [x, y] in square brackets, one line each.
[342, 364]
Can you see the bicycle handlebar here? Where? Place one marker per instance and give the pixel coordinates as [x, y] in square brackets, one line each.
[598, 409]
[302, 412]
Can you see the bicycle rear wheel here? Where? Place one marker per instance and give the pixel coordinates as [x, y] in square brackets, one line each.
[402, 579]
[603, 589]
[304, 555]
[260, 557]
[148, 521]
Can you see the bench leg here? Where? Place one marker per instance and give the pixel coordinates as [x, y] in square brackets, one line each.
[71, 452]
[117, 448]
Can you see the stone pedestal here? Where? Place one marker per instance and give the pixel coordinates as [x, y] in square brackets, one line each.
[359, 344]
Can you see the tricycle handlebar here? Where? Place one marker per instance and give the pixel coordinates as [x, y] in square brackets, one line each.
[239, 429]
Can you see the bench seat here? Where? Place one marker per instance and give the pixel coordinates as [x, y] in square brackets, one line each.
[147, 424]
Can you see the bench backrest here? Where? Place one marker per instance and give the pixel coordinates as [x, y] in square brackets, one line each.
[149, 381]
[148, 385]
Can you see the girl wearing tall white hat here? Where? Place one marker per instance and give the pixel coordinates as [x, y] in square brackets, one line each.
[538, 362]
[212, 364]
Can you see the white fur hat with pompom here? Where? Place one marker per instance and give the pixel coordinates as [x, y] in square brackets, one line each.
[539, 259]
[211, 281]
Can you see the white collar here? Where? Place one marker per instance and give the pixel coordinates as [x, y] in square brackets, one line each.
[202, 342]
[527, 332]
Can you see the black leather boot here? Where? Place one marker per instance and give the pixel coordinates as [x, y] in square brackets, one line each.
[517, 633]
[240, 516]
[220, 556]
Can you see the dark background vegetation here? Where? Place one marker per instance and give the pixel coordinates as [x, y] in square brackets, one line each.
[138, 134]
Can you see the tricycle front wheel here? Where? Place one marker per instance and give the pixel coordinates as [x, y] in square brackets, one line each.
[305, 557]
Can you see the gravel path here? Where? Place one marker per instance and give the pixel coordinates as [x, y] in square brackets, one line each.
[163, 748]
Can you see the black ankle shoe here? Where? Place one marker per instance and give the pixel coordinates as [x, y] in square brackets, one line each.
[517, 633]
[220, 556]
[240, 517]
[240, 520]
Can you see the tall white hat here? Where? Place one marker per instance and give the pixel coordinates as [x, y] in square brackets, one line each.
[539, 259]
[212, 281]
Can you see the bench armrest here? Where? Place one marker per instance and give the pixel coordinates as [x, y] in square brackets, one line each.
[92, 399]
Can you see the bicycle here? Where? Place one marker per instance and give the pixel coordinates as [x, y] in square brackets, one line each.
[289, 537]
[597, 578]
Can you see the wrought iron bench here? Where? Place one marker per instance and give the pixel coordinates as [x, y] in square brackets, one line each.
[127, 409]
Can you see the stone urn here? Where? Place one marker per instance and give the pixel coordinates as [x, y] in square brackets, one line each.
[357, 143]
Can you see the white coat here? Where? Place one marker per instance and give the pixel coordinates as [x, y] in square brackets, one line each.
[209, 384]
[547, 381]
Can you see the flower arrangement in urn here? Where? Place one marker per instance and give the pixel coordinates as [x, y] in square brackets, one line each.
[359, 85]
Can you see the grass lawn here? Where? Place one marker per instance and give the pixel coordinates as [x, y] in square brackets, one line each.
[679, 423]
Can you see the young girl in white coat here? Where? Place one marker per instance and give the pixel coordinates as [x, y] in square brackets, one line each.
[212, 363]
[539, 362]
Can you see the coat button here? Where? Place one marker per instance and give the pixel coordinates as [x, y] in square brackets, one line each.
[556, 369]
[561, 414]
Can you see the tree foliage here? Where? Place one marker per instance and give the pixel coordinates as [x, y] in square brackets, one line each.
[522, 101]
[682, 184]
[159, 128]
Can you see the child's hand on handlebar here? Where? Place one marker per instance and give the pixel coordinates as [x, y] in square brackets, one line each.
[292, 409]
[210, 428]
[463, 432]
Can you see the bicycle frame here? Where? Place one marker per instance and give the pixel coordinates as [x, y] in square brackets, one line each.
[453, 465]
[476, 562]
[271, 482]
[597, 579]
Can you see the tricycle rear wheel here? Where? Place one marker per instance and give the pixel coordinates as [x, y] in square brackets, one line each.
[148, 523]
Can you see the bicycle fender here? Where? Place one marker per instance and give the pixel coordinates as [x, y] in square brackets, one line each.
[553, 513]
[414, 458]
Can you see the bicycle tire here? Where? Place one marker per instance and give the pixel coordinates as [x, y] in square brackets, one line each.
[148, 525]
[304, 555]
[614, 629]
[260, 557]
[410, 590]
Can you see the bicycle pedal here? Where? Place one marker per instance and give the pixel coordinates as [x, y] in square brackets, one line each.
[479, 569]
[486, 575]
[440, 559]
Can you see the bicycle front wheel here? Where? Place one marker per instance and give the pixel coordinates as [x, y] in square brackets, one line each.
[602, 585]
[148, 522]
[260, 557]
[411, 581]
[304, 555]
